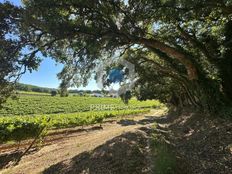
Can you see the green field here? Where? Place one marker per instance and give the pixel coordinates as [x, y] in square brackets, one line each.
[38, 105]
[33, 93]
[26, 116]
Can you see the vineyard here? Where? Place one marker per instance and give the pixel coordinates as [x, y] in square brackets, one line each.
[18, 128]
[36, 105]
[29, 116]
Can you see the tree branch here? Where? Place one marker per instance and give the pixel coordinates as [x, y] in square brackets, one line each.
[172, 52]
[195, 43]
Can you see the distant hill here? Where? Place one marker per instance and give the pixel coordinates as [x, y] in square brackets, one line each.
[33, 88]
[27, 87]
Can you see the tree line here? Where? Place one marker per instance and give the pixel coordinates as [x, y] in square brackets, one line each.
[54, 91]
[33, 88]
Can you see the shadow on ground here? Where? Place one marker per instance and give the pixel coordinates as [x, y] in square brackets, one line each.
[125, 154]
[145, 121]
[9, 159]
[6, 158]
[202, 142]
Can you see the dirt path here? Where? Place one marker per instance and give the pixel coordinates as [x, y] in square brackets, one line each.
[76, 143]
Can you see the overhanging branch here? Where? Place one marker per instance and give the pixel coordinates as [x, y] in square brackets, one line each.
[172, 52]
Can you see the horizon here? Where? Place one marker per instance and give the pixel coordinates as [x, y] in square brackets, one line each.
[70, 89]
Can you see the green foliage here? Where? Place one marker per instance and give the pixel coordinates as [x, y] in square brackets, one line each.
[8, 49]
[19, 128]
[13, 63]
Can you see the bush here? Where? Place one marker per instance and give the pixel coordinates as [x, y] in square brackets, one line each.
[53, 93]
[18, 129]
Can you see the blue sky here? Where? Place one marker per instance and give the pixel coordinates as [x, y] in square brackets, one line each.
[45, 76]
[16, 2]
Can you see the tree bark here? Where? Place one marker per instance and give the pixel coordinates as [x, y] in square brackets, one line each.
[172, 52]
